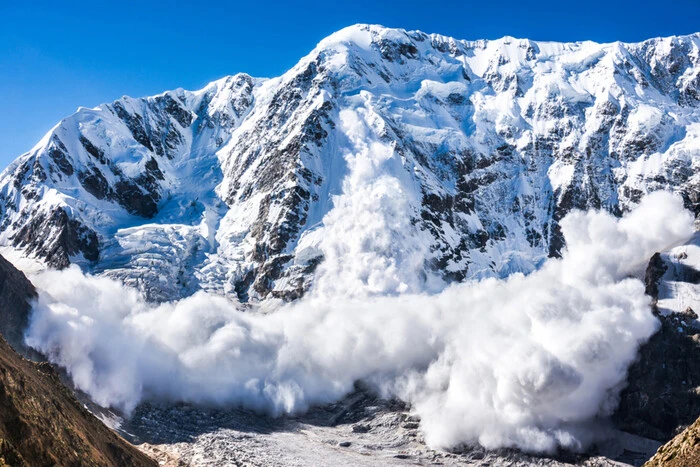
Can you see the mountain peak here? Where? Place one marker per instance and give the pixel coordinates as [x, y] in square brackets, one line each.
[360, 34]
[368, 37]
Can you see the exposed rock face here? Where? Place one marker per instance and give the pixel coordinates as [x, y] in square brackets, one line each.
[55, 237]
[654, 272]
[681, 451]
[663, 394]
[41, 423]
[16, 292]
[492, 142]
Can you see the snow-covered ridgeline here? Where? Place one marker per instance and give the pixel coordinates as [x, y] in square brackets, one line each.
[461, 156]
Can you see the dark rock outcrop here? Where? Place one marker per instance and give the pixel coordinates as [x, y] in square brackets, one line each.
[654, 272]
[15, 294]
[57, 237]
[662, 396]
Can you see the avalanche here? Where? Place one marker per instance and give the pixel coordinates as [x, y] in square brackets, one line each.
[527, 361]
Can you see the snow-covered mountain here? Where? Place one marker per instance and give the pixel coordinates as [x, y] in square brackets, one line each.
[417, 151]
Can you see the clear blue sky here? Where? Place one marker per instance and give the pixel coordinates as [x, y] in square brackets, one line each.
[58, 55]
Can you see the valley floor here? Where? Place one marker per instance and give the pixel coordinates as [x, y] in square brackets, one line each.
[359, 431]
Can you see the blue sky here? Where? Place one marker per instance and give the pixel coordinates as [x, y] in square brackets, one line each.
[56, 56]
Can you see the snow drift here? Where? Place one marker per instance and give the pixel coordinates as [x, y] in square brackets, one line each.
[526, 361]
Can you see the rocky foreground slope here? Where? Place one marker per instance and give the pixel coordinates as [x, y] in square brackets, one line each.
[41, 422]
[681, 451]
[467, 153]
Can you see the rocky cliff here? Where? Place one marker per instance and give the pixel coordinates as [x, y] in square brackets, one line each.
[681, 451]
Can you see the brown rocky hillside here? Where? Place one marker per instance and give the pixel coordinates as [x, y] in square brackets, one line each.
[681, 451]
[41, 422]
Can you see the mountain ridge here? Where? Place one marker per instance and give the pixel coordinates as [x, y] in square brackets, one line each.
[492, 142]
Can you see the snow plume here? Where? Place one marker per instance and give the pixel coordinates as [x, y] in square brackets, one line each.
[527, 361]
[370, 244]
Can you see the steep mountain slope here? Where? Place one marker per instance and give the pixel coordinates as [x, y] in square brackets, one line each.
[663, 390]
[15, 294]
[41, 423]
[419, 150]
[681, 451]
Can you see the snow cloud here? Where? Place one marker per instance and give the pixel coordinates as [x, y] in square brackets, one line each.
[526, 361]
